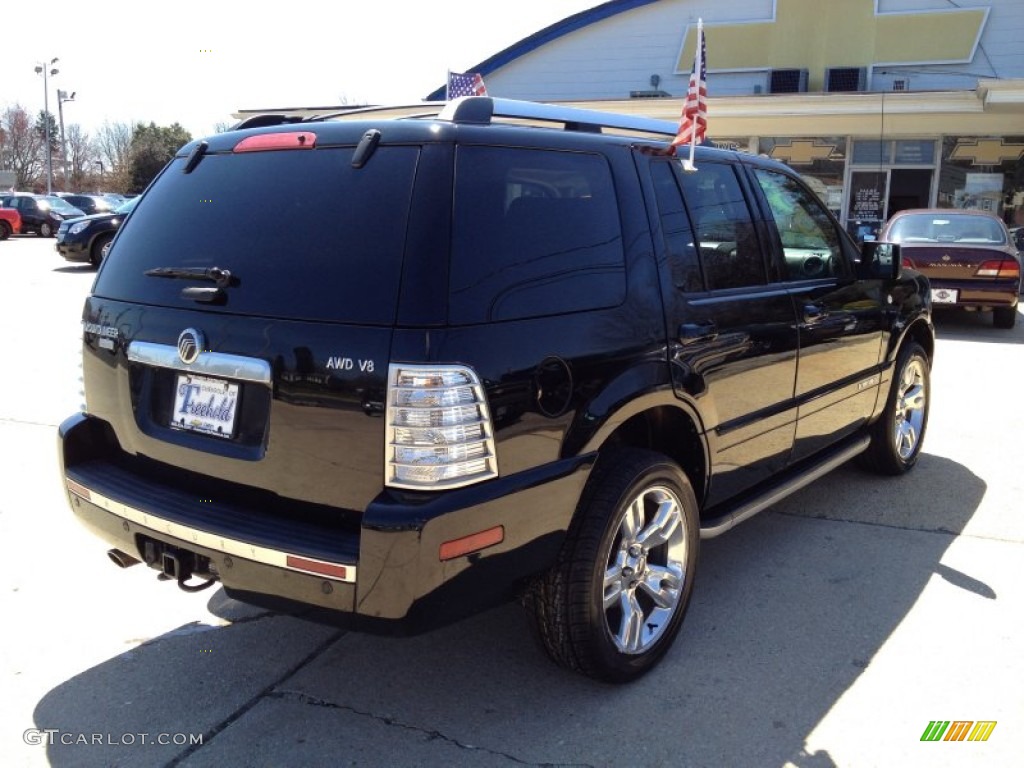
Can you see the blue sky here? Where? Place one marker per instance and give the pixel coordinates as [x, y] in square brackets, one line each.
[197, 62]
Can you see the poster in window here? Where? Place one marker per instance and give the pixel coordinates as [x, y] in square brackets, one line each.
[866, 207]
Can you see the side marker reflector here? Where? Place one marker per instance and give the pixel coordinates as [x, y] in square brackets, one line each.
[472, 543]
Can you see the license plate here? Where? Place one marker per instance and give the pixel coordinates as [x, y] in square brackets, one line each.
[944, 295]
[206, 405]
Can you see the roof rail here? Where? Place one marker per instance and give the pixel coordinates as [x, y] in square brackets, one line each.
[482, 109]
[420, 109]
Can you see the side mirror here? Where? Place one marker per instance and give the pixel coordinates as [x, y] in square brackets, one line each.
[880, 260]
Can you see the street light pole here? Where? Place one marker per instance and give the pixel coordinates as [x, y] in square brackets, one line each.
[62, 96]
[100, 164]
[45, 69]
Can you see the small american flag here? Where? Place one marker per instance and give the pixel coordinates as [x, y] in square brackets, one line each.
[693, 126]
[465, 84]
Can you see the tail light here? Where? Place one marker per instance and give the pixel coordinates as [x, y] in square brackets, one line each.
[439, 431]
[1002, 268]
[908, 264]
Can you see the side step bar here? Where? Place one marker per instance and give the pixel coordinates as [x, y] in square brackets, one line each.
[806, 475]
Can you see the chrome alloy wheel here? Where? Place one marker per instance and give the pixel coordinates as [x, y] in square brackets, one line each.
[910, 409]
[644, 577]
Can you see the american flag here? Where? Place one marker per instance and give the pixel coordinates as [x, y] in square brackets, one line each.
[467, 84]
[693, 126]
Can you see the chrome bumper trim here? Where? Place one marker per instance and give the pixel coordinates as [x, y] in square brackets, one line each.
[228, 546]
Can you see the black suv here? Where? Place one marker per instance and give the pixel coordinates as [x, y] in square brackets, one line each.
[89, 237]
[91, 204]
[484, 359]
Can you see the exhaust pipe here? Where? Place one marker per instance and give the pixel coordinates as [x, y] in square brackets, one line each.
[122, 559]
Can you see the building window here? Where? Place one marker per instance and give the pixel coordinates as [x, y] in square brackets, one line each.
[984, 173]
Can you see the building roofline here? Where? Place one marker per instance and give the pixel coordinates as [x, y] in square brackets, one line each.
[547, 35]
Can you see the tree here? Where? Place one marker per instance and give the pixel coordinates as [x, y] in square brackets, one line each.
[81, 159]
[152, 148]
[42, 119]
[113, 143]
[22, 147]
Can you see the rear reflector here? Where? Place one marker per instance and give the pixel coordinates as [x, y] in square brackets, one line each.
[472, 543]
[1005, 268]
[316, 566]
[268, 141]
[79, 490]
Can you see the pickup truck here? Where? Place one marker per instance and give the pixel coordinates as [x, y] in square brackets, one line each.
[10, 222]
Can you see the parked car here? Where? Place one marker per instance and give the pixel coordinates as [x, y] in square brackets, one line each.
[90, 204]
[89, 238]
[1017, 236]
[10, 222]
[484, 360]
[41, 214]
[968, 256]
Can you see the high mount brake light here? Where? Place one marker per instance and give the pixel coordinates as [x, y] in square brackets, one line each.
[264, 142]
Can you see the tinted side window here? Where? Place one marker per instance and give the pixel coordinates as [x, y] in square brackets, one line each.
[675, 228]
[536, 232]
[729, 249]
[810, 241]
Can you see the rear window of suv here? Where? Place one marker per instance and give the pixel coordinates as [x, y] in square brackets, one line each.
[536, 232]
[307, 235]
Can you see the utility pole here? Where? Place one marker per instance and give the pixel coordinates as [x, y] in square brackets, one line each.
[45, 70]
[62, 96]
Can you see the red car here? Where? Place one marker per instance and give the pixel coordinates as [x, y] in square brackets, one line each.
[967, 256]
[10, 222]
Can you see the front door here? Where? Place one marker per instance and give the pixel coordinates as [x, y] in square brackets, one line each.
[840, 319]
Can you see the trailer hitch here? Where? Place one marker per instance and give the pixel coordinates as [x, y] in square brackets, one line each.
[177, 565]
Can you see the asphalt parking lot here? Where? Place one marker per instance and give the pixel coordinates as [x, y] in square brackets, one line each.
[827, 631]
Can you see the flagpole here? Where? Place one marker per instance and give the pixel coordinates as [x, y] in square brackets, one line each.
[699, 67]
[447, 85]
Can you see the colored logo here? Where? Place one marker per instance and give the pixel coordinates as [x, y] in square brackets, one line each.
[958, 730]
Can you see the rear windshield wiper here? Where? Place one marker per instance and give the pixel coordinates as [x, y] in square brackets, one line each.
[222, 277]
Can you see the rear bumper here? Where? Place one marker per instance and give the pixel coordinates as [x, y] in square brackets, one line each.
[971, 295]
[386, 575]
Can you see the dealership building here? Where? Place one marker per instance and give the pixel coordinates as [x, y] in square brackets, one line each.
[880, 105]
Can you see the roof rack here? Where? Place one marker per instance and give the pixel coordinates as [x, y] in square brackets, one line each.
[418, 110]
[483, 109]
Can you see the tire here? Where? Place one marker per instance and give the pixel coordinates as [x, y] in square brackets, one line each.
[1004, 317]
[613, 603]
[99, 249]
[46, 229]
[5, 230]
[897, 436]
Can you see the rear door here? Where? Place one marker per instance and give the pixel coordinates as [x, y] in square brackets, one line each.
[839, 318]
[732, 333]
[285, 389]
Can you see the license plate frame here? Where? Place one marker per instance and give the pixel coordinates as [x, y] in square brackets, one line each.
[945, 295]
[205, 405]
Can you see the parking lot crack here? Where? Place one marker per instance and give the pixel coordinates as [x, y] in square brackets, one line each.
[210, 734]
[878, 524]
[429, 733]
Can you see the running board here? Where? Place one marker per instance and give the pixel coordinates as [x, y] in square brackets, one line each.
[747, 509]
